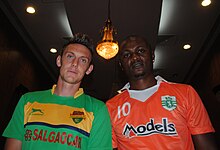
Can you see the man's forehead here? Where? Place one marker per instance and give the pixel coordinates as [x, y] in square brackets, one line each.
[76, 45]
[78, 48]
[132, 42]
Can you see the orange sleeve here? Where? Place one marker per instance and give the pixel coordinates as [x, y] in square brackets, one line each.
[114, 139]
[197, 117]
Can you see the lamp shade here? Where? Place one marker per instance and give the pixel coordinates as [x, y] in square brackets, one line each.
[107, 47]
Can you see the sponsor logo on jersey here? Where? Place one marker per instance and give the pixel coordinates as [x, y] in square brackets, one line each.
[169, 102]
[36, 111]
[53, 137]
[150, 128]
[77, 116]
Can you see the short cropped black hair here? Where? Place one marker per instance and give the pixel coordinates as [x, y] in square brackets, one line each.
[80, 38]
[133, 37]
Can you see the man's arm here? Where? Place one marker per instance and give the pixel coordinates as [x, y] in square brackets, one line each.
[204, 141]
[12, 144]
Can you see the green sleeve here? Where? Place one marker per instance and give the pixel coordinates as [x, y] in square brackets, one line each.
[15, 127]
[101, 135]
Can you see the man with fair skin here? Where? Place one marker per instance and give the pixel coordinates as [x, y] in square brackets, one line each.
[62, 117]
[151, 113]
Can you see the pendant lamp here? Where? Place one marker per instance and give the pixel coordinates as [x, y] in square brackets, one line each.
[107, 47]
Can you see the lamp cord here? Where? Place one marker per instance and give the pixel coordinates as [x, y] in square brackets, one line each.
[109, 9]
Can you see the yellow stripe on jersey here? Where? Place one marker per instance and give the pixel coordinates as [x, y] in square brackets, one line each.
[54, 114]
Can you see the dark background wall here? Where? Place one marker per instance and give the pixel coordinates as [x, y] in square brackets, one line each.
[20, 71]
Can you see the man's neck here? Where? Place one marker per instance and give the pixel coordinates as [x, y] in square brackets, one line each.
[143, 83]
[66, 89]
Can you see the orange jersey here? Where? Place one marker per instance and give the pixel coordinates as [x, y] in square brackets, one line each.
[166, 120]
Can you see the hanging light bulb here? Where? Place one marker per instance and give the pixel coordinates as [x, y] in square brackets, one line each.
[107, 47]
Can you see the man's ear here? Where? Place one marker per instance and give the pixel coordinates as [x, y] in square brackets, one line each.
[153, 56]
[58, 61]
[89, 70]
[120, 65]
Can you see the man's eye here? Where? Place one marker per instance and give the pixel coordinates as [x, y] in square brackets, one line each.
[84, 60]
[69, 56]
[141, 50]
[126, 55]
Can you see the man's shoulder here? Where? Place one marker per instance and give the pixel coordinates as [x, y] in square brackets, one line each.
[172, 84]
[93, 100]
[92, 104]
[121, 95]
[179, 87]
[176, 85]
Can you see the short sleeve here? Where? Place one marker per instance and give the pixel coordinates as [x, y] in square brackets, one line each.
[114, 139]
[197, 117]
[15, 128]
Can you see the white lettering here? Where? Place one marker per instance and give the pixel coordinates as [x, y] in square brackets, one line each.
[150, 128]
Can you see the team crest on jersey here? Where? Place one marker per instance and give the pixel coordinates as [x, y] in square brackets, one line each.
[169, 102]
[77, 116]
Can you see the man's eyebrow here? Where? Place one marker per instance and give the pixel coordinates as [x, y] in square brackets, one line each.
[69, 52]
[125, 50]
[84, 57]
[143, 46]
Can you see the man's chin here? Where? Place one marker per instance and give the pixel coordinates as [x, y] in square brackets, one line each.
[139, 75]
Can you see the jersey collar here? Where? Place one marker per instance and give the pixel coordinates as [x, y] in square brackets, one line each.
[77, 94]
[127, 85]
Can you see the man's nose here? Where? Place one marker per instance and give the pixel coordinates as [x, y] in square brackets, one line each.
[135, 56]
[75, 62]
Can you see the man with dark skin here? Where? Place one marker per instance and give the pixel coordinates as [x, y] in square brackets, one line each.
[151, 113]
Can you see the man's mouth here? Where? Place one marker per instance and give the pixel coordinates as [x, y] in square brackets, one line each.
[136, 65]
[71, 71]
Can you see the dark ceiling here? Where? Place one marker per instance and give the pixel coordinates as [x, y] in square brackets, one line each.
[167, 25]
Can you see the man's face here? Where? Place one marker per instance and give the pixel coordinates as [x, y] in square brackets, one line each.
[74, 63]
[136, 58]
